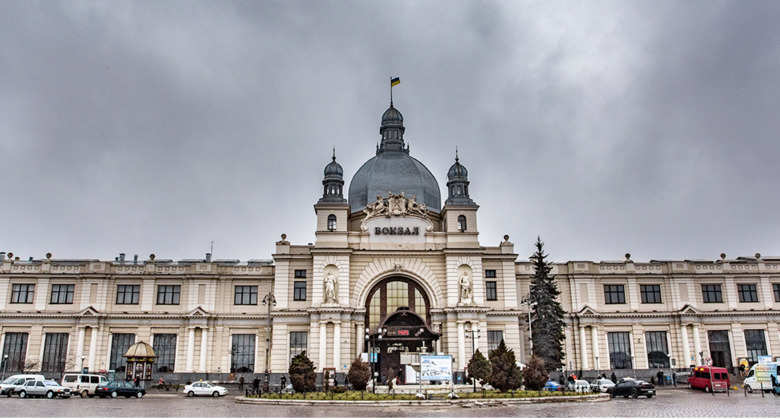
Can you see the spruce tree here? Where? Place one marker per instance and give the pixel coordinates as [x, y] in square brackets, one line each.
[534, 374]
[359, 374]
[302, 375]
[478, 367]
[505, 374]
[547, 328]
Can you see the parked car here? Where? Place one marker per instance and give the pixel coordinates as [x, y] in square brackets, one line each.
[205, 388]
[579, 386]
[601, 385]
[631, 388]
[709, 378]
[39, 388]
[119, 388]
[11, 385]
[552, 386]
[83, 385]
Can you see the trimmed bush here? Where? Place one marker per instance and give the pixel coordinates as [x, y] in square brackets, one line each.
[302, 375]
[359, 374]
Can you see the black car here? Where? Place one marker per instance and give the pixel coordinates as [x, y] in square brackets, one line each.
[632, 388]
[119, 389]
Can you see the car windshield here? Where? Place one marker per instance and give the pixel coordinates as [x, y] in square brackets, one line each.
[9, 381]
[51, 383]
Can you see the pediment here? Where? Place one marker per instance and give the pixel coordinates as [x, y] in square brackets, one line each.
[587, 311]
[88, 311]
[689, 310]
[198, 312]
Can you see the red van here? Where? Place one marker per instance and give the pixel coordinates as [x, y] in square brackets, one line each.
[709, 378]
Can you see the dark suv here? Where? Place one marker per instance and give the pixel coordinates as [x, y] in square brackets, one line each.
[631, 388]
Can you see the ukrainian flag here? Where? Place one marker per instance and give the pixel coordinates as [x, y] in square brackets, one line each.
[395, 81]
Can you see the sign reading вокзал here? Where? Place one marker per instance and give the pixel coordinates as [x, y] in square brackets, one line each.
[435, 368]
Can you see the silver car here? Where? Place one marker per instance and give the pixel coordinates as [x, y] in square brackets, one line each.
[47, 388]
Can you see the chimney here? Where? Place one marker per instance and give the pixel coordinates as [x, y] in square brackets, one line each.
[208, 257]
[2, 256]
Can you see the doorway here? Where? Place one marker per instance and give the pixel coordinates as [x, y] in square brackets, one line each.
[720, 349]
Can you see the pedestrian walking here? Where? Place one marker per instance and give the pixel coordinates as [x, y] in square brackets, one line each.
[137, 381]
[614, 377]
[674, 378]
[660, 376]
[161, 383]
[256, 383]
[241, 383]
[603, 375]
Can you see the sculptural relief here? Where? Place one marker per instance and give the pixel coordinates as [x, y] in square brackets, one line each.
[395, 205]
[465, 290]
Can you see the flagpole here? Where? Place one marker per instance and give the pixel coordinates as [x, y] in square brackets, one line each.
[391, 91]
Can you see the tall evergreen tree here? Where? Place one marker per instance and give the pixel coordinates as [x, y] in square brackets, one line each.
[547, 328]
[478, 367]
[505, 374]
[302, 375]
[359, 374]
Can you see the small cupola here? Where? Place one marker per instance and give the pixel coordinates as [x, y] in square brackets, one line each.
[458, 184]
[333, 183]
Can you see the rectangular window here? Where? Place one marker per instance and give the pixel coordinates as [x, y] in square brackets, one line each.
[657, 349]
[243, 353]
[300, 274]
[299, 292]
[119, 345]
[614, 294]
[22, 293]
[776, 289]
[62, 293]
[490, 274]
[298, 341]
[494, 339]
[246, 295]
[168, 295]
[756, 346]
[490, 290]
[16, 348]
[651, 293]
[165, 348]
[711, 293]
[619, 350]
[747, 293]
[127, 294]
[55, 353]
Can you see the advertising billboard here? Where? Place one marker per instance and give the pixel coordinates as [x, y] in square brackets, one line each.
[436, 368]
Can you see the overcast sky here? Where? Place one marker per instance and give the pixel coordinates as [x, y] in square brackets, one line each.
[605, 127]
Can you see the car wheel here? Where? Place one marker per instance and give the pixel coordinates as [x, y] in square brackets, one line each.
[22, 394]
[190, 394]
[748, 388]
[611, 394]
[139, 394]
[707, 388]
[50, 395]
[84, 394]
[215, 394]
[634, 393]
[113, 394]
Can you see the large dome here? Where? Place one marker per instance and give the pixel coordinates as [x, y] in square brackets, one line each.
[394, 172]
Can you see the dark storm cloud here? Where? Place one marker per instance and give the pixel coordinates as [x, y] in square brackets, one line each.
[606, 128]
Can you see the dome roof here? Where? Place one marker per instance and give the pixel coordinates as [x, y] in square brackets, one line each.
[395, 172]
[392, 115]
[457, 171]
[140, 349]
[333, 169]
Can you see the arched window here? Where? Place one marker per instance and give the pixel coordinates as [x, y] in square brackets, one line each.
[389, 295]
[332, 222]
[461, 223]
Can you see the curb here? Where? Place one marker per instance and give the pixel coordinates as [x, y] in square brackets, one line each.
[464, 403]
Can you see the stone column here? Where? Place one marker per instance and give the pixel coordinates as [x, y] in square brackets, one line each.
[697, 344]
[93, 344]
[108, 350]
[594, 336]
[80, 349]
[337, 346]
[461, 346]
[323, 345]
[190, 349]
[361, 335]
[204, 345]
[583, 349]
[686, 348]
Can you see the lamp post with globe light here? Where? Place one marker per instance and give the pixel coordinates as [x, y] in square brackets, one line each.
[269, 300]
[474, 334]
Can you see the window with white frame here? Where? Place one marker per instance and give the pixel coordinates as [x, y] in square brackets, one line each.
[298, 341]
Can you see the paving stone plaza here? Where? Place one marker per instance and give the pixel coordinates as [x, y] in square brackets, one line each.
[669, 403]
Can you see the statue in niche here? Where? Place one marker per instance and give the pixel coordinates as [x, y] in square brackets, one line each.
[465, 289]
[330, 289]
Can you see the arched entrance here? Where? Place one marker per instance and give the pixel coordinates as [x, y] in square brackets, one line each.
[398, 318]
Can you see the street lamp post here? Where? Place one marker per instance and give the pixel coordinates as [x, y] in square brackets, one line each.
[474, 333]
[269, 300]
[370, 340]
[527, 301]
[5, 365]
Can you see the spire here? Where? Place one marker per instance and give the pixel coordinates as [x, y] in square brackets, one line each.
[458, 184]
[333, 183]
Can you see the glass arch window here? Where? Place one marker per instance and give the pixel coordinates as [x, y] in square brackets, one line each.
[391, 294]
[332, 222]
[461, 223]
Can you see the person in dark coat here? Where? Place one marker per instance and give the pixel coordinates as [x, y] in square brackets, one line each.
[241, 383]
[674, 378]
[137, 381]
[256, 383]
[660, 376]
[613, 377]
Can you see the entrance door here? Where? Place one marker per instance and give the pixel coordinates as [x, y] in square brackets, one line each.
[720, 349]
[390, 364]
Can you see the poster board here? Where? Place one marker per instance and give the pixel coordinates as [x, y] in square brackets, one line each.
[436, 368]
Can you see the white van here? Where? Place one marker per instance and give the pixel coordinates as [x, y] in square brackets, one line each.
[83, 385]
[760, 377]
[12, 383]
